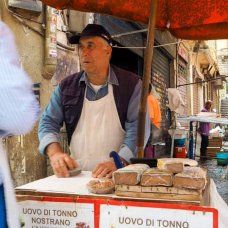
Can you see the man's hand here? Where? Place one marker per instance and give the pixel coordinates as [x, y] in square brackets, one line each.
[61, 163]
[104, 169]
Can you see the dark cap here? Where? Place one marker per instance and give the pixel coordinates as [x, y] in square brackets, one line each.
[91, 30]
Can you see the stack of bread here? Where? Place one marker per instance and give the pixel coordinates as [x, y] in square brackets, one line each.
[171, 176]
[170, 172]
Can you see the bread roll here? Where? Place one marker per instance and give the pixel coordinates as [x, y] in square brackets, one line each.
[156, 177]
[129, 175]
[191, 178]
[175, 165]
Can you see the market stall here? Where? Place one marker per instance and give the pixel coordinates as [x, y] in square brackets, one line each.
[66, 202]
[58, 202]
[191, 120]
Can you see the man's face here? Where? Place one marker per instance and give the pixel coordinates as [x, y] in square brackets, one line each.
[94, 53]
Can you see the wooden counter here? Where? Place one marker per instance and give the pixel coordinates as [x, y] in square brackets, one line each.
[65, 202]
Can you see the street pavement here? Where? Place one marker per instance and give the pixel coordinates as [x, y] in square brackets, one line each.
[220, 176]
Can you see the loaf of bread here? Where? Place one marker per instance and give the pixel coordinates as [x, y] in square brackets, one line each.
[129, 175]
[156, 177]
[101, 186]
[191, 178]
[175, 165]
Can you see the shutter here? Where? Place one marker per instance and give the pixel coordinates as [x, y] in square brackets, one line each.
[161, 81]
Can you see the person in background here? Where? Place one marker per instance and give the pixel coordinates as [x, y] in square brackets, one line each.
[155, 119]
[99, 107]
[154, 108]
[204, 129]
[18, 112]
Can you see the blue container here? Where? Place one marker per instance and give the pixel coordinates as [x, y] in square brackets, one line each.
[179, 142]
[222, 158]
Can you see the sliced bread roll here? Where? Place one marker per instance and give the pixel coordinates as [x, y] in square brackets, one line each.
[156, 177]
[129, 175]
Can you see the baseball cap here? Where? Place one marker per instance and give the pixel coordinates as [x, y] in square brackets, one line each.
[91, 30]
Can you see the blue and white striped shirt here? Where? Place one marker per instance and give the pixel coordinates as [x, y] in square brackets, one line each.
[18, 106]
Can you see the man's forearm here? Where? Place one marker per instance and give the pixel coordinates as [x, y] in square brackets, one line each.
[51, 122]
[52, 149]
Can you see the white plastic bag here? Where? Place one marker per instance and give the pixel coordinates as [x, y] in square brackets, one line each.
[217, 202]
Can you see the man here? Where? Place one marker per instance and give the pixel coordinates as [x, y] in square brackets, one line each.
[204, 129]
[99, 107]
[18, 112]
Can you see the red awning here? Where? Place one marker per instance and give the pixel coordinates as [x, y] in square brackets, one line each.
[192, 19]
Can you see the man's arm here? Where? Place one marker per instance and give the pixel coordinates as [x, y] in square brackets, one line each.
[51, 121]
[49, 135]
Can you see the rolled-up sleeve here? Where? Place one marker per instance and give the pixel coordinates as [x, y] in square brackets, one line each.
[51, 121]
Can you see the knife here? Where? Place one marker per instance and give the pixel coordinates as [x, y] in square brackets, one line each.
[117, 159]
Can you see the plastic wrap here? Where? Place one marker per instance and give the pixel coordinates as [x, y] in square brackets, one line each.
[217, 202]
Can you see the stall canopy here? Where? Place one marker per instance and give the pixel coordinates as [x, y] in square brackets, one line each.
[192, 19]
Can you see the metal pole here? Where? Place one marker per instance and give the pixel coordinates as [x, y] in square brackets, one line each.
[146, 78]
[223, 77]
[195, 138]
[191, 142]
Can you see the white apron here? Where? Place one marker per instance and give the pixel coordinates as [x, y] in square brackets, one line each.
[98, 132]
[10, 200]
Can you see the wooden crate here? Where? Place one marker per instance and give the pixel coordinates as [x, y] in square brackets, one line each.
[211, 151]
[167, 194]
[215, 142]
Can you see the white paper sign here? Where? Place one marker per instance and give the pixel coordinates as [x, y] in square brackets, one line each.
[35, 214]
[143, 217]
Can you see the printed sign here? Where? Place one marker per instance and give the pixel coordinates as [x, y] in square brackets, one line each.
[35, 214]
[123, 216]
